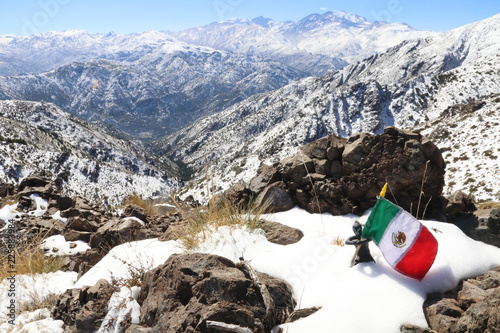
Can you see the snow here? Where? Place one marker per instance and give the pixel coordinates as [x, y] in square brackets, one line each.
[121, 303]
[146, 253]
[58, 246]
[7, 213]
[134, 219]
[319, 271]
[57, 216]
[41, 205]
[30, 288]
[38, 321]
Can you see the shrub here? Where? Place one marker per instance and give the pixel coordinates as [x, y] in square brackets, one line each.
[202, 221]
[30, 258]
[138, 200]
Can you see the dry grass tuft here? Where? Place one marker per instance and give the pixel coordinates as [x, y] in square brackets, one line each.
[8, 200]
[36, 302]
[203, 221]
[339, 241]
[148, 205]
[135, 273]
[489, 205]
[29, 258]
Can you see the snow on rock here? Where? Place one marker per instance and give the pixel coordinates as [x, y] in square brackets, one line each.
[30, 288]
[38, 321]
[57, 245]
[318, 269]
[121, 304]
[148, 253]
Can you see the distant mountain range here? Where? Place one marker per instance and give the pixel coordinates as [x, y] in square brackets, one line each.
[154, 83]
[409, 84]
[239, 93]
[315, 45]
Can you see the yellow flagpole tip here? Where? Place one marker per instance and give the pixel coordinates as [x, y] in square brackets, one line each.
[382, 193]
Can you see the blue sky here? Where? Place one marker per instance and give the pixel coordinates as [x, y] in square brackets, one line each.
[30, 16]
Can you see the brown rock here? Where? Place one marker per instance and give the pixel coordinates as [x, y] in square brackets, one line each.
[239, 195]
[191, 289]
[71, 235]
[265, 177]
[407, 328]
[493, 222]
[118, 231]
[479, 297]
[297, 167]
[84, 309]
[136, 211]
[470, 294]
[275, 198]
[345, 176]
[459, 202]
[80, 224]
[281, 234]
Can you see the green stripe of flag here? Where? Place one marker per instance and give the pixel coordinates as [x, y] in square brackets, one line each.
[380, 217]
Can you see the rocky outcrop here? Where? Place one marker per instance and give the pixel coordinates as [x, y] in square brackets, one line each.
[459, 202]
[83, 310]
[341, 176]
[191, 290]
[473, 307]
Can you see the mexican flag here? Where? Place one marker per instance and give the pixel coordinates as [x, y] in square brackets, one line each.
[407, 245]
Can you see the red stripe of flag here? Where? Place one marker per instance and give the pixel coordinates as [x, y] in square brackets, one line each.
[419, 259]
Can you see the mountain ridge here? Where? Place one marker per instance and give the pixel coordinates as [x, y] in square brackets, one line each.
[83, 158]
[408, 84]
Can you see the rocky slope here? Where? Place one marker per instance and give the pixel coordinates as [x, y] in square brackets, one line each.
[152, 83]
[317, 44]
[84, 158]
[151, 90]
[409, 84]
[468, 135]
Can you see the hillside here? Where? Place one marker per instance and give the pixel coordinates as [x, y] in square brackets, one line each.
[407, 85]
[316, 44]
[148, 93]
[155, 83]
[84, 159]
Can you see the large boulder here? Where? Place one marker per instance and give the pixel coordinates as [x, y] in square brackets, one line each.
[493, 222]
[41, 186]
[191, 289]
[341, 176]
[275, 198]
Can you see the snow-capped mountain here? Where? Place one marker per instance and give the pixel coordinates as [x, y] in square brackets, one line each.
[47, 51]
[152, 88]
[83, 158]
[410, 83]
[153, 83]
[316, 44]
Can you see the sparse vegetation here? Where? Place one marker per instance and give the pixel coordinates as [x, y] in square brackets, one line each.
[135, 273]
[36, 302]
[13, 140]
[338, 241]
[489, 205]
[138, 200]
[30, 259]
[204, 220]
